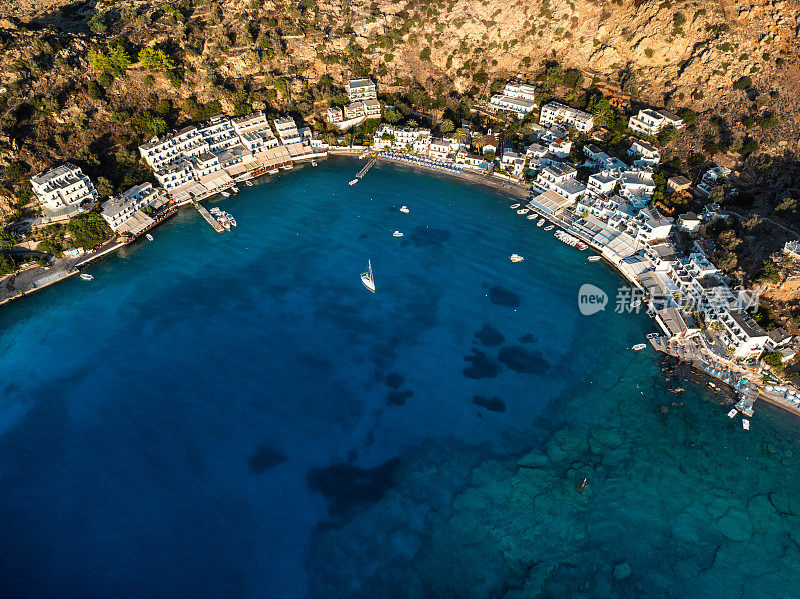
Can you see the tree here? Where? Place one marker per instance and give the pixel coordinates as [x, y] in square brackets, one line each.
[446, 126]
[9, 239]
[17, 169]
[774, 360]
[392, 116]
[154, 59]
[97, 24]
[603, 113]
[7, 264]
[425, 55]
[717, 194]
[88, 230]
[150, 124]
[114, 60]
[743, 83]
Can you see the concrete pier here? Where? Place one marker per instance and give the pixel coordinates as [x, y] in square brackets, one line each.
[207, 215]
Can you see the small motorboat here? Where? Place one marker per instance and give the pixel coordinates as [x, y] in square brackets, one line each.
[549, 227]
[582, 487]
[639, 347]
[652, 335]
[235, 189]
[732, 413]
[516, 258]
[593, 258]
[404, 209]
[87, 277]
[745, 424]
[248, 183]
[225, 194]
[540, 223]
[314, 163]
[353, 182]
[397, 234]
[148, 237]
[531, 217]
[515, 206]
[522, 211]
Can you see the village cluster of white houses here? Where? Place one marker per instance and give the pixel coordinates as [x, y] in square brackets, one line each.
[611, 209]
[193, 162]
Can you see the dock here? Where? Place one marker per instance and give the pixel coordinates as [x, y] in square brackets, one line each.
[366, 168]
[207, 215]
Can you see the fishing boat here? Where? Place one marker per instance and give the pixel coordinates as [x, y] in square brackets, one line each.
[515, 206]
[540, 223]
[353, 182]
[397, 234]
[531, 217]
[366, 278]
[639, 347]
[732, 413]
[148, 237]
[522, 211]
[745, 424]
[549, 227]
[593, 258]
[404, 209]
[87, 277]
[516, 258]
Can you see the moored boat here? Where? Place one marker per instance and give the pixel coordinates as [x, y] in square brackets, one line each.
[540, 223]
[225, 194]
[353, 182]
[745, 424]
[314, 163]
[522, 211]
[732, 413]
[148, 237]
[87, 277]
[516, 258]
[515, 206]
[531, 217]
[549, 227]
[593, 258]
[639, 347]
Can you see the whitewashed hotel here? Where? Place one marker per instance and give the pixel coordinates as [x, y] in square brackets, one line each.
[651, 122]
[361, 89]
[556, 113]
[61, 191]
[119, 210]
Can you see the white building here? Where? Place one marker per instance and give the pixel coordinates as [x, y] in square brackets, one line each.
[556, 113]
[650, 122]
[560, 148]
[361, 89]
[353, 110]
[176, 174]
[62, 190]
[716, 174]
[689, 222]
[637, 184]
[205, 164]
[438, 148]
[560, 178]
[647, 152]
[649, 226]
[218, 133]
[519, 106]
[254, 132]
[525, 91]
[372, 108]
[513, 161]
[745, 338]
[160, 151]
[335, 114]
[287, 130]
[602, 183]
[117, 211]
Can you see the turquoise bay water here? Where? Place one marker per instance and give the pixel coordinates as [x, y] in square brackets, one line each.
[235, 416]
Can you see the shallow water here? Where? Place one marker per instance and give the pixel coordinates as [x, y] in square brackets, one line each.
[234, 415]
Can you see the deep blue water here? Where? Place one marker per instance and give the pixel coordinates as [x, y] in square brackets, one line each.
[236, 416]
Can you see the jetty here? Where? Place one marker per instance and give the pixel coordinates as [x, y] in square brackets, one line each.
[207, 215]
[366, 168]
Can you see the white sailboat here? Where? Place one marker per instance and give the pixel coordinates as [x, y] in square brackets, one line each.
[367, 280]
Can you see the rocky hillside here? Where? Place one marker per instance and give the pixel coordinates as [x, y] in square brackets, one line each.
[733, 62]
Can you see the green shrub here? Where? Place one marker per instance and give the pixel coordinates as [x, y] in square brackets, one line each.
[743, 83]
